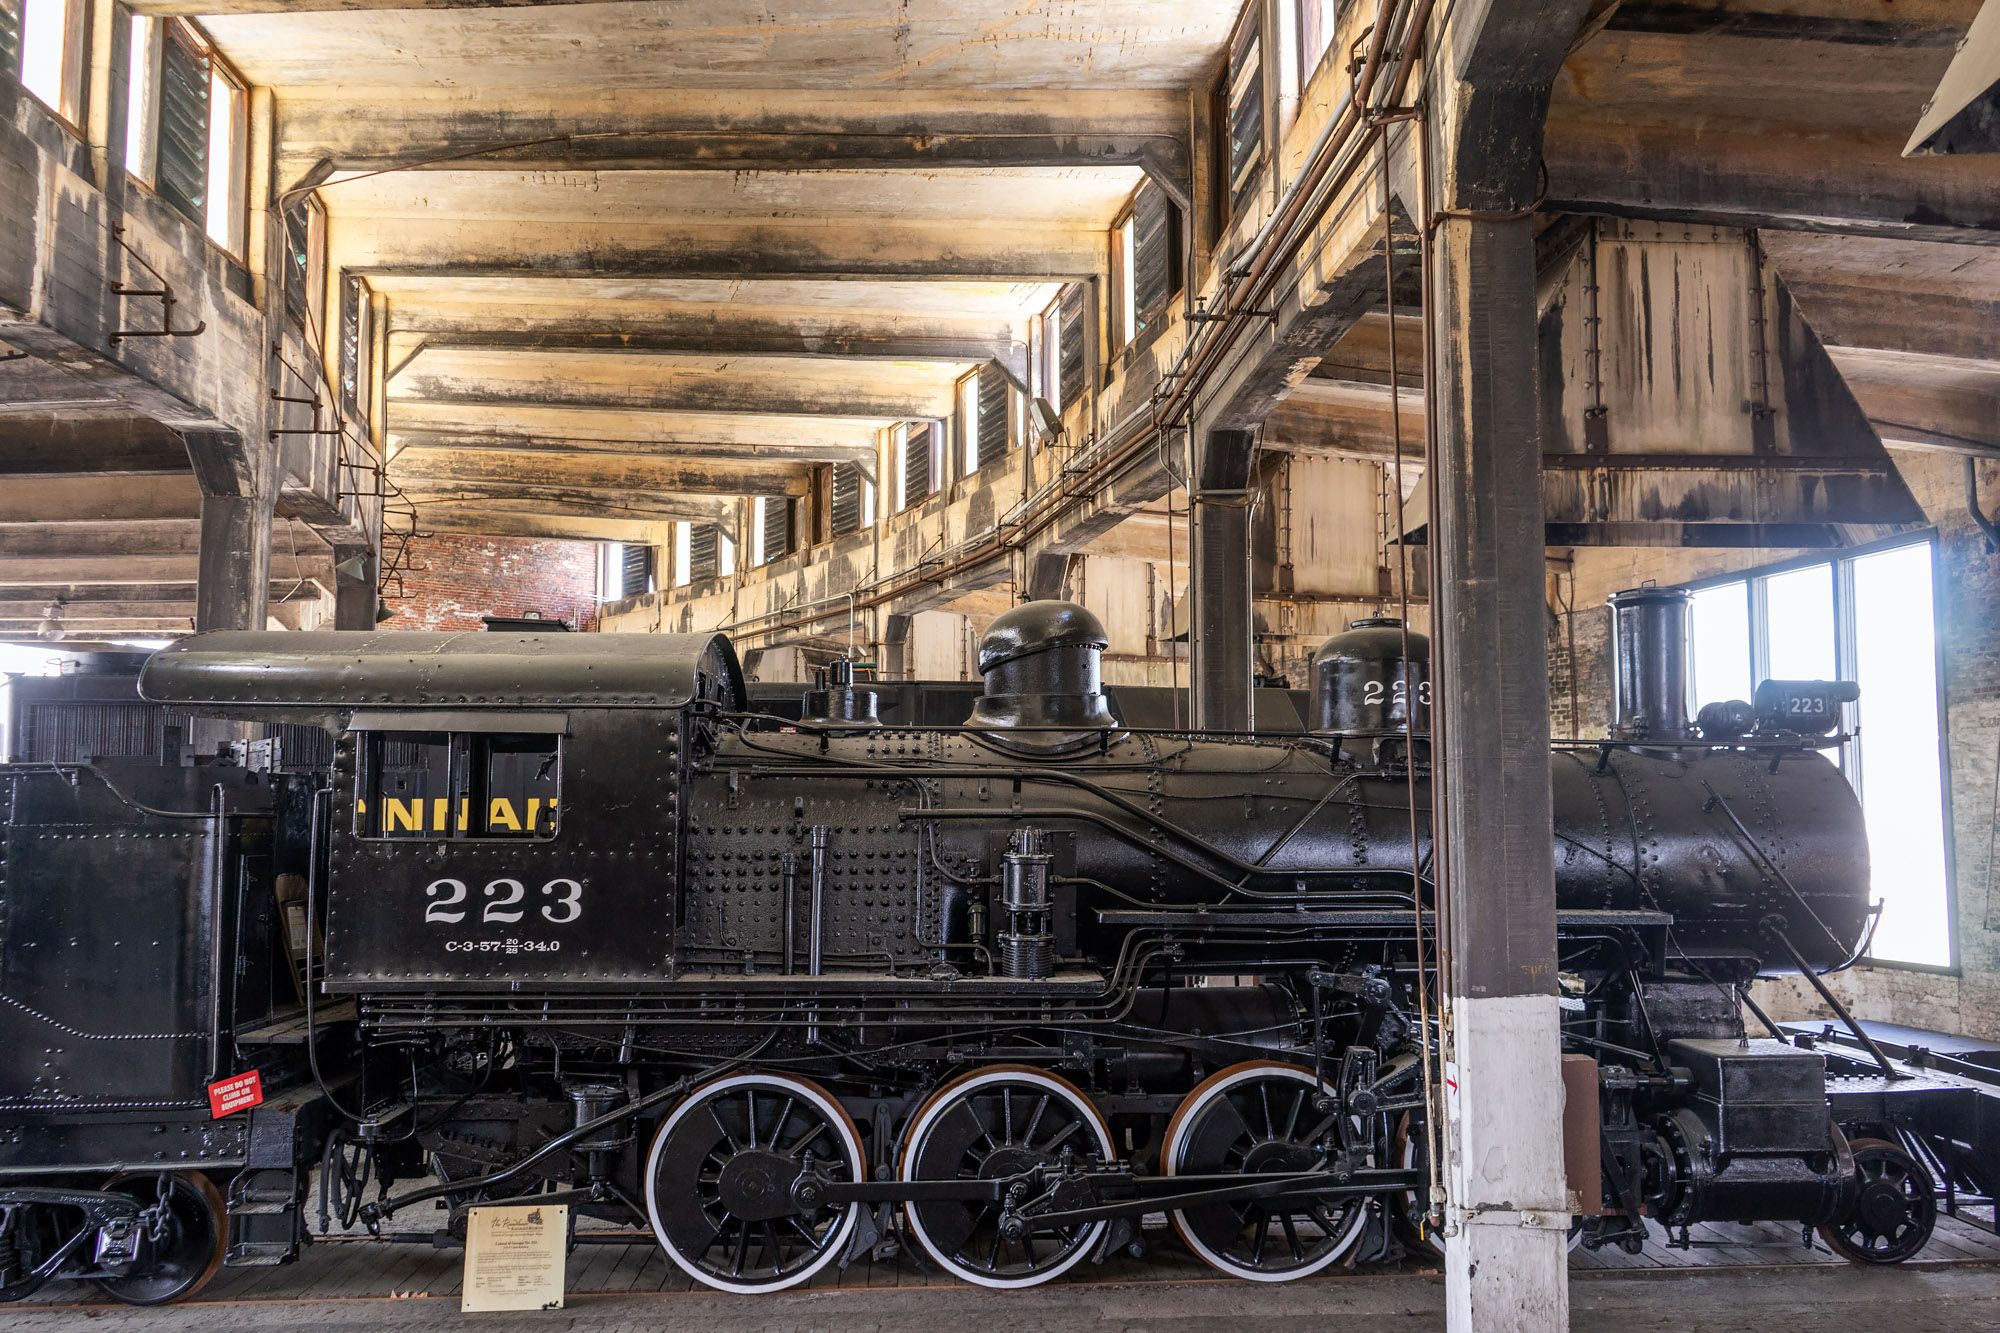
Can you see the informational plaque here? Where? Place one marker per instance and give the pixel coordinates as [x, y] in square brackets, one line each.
[515, 1258]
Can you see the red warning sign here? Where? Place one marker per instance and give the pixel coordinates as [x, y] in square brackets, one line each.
[238, 1092]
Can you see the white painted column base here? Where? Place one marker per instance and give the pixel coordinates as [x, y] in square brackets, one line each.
[1506, 1251]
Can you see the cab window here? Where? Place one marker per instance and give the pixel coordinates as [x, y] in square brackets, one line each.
[458, 785]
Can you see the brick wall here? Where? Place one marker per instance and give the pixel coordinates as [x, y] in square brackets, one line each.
[449, 582]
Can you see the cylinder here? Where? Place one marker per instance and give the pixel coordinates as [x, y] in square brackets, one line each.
[1373, 680]
[1649, 629]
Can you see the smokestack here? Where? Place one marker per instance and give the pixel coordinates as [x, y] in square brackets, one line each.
[1649, 629]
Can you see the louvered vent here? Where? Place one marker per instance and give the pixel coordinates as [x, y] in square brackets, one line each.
[777, 528]
[635, 569]
[994, 437]
[298, 257]
[1243, 108]
[351, 297]
[917, 466]
[10, 36]
[181, 163]
[1156, 257]
[704, 551]
[847, 484]
[1070, 356]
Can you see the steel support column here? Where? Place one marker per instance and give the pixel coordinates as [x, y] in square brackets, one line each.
[1220, 628]
[233, 578]
[1506, 1264]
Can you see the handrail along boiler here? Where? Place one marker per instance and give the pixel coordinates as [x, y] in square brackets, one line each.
[590, 926]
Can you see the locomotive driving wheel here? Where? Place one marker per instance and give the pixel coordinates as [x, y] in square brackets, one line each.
[991, 1124]
[187, 1228]
[719, 1181]
[1260, 1118]
[1894, 1211]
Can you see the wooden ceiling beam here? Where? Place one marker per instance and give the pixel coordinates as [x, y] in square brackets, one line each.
[746, 247]
[805, 450]
[1733, 173]
[433, 468]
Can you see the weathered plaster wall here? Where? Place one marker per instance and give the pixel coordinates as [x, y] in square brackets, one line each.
[450, 582]
[1969, 600]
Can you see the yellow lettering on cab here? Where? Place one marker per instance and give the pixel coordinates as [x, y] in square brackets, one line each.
[402, 816]
[500, 815]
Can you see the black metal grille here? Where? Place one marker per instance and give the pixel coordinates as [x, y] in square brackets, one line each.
[1156, 257]
[181, 163]
[77, 732]
[1069, 363]
[847, 486]
[777, 528]
[917, 466]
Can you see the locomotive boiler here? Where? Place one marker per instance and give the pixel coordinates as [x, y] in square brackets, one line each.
[581, 924]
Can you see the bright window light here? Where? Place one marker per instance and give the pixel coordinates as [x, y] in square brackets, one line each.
[45, 51]
[968, 407]
[225, 169]
[1128, 294]
[1799, 620]
[1316, 24]
[725, 553]
[1720, 628]
[683, 554]
[1902, 780]
[1869, 618]
[139, 100]
[1052, 344]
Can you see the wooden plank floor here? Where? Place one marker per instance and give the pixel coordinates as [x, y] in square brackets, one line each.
[345, 1268]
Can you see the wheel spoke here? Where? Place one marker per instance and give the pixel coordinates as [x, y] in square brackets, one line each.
[1060, 1137]
[1035, 1120]
[1292, 1120]
[727, 1137]
[784, 1117]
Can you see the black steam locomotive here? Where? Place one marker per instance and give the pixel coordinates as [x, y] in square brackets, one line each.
[576, 919]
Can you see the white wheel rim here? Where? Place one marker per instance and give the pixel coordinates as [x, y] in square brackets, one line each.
[1170, 1165]
[805, 1092]
[913, 1141]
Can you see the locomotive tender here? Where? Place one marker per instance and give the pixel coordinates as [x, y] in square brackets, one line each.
[568, 919]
